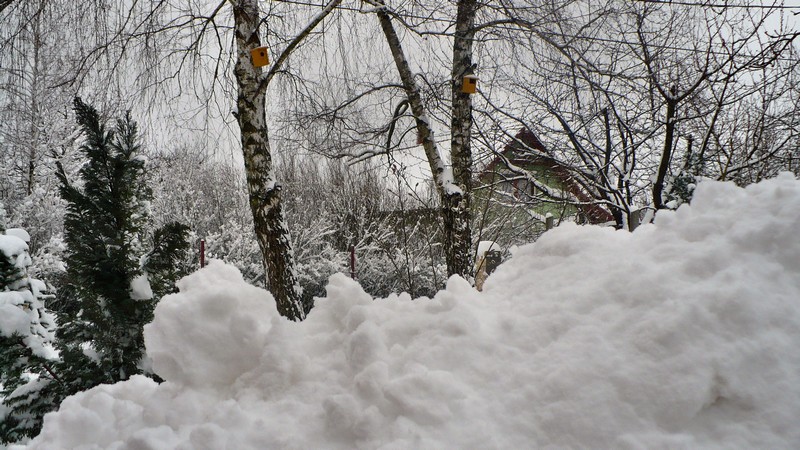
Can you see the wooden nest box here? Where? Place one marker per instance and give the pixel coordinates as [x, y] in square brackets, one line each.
[260, 56]
[470, 84]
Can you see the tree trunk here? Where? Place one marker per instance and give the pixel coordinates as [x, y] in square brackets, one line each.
[458, 241]
[666, 157]
[265, 192]
[453, 187]
[35, 114]
[616, 211]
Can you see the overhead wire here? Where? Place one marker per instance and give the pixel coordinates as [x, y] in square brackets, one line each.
[633, 43]
[716, 4]
[577, 36]
[593, 38]
[709, 4]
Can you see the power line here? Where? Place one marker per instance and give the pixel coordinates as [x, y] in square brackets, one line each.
[720, 5]
[707, 4]
[350, 8]
[663, 2]
[589, 38]
[634, 44]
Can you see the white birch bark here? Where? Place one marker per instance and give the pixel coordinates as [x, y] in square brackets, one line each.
[452, 185]
[457, 209]
[264, 191]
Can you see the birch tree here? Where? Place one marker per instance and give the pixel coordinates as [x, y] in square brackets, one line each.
[264, 190]
[454, 196]
[457, 219]
[344, 122]
[26, 44]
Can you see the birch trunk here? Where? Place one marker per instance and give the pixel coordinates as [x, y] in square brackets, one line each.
[415, 101]
[453, 187]
[35, 114]
[265, 192]
[458, 243]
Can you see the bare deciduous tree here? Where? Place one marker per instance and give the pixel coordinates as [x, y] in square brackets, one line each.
[618, 92]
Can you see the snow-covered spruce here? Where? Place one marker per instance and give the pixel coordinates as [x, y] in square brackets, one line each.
[683, 334]
[26, 336]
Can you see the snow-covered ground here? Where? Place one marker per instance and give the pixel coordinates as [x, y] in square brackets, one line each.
[683, 334]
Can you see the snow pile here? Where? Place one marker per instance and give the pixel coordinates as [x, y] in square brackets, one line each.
[16, 250]
[683, 334]
[213, 331]
[20, 233]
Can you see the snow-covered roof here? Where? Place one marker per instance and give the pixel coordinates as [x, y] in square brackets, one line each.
[525, 151]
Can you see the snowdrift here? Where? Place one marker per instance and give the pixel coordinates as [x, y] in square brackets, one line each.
[683, 334]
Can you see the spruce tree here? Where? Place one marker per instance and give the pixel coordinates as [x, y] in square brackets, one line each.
[26, 337]
[165, 264]
[106, 232]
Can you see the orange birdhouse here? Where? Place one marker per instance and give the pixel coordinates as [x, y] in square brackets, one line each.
[260, 56]
[470, 84]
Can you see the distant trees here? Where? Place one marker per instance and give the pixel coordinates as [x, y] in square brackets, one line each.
[331, 207]
[42, 43]
[25, 113]
[395, 235]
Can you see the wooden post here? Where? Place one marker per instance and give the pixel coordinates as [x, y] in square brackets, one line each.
[352, 262]
[635, 219]
[492, 261]
[202, 253]
[640, 216]
[550, 222]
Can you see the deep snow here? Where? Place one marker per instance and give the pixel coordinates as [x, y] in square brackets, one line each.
[682, 334]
